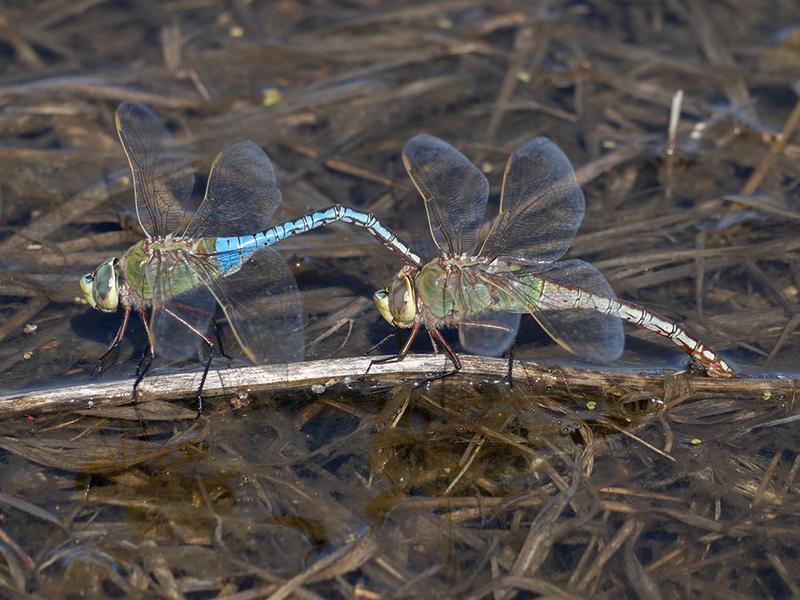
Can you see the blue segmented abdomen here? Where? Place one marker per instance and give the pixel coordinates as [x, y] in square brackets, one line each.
[233, 252]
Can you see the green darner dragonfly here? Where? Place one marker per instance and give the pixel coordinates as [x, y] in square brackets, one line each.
[517, 269]
[196, 259]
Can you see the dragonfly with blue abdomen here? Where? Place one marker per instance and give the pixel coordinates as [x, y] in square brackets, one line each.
[195, 259]
[483, 290]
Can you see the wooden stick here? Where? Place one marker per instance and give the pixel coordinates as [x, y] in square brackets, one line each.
[537, 378]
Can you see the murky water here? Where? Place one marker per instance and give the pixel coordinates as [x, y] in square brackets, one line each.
[466, 488]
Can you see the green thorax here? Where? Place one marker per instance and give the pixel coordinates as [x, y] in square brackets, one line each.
[147, 261]
[465, 287]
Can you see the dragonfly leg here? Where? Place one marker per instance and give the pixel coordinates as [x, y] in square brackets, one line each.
[123, 326]
[400, 335]
[439, 340]
[220, 347]
[509, 373]
[197, 311]
[395, 333]
[403, 351]
[147, 357]
[209, 345]
[203, 382]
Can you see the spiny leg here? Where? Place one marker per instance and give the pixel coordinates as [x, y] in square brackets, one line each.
[147, 357]
[403, 351]
[439, 341]
[400, 335]
[395, 333]
[203, 313]
[221, 348]
[207, 367]
[123, 326]
[510, 372]
[203, 381]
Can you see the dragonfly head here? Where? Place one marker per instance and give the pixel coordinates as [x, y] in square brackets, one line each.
[398, 303]
[101, 287]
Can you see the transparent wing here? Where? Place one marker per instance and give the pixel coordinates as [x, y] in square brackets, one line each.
[489, 333]
[484, 327]
[541, 206]
[261, 306]
[182, 310]
[454, 190]
[260, 303]
[587, 333]
[178, 324]
[241, 196]
[162, 174]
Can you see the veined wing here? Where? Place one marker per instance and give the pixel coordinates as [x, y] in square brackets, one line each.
[583, 331]
[182, 309]
[454, 190]
[541, 206]
[241, 196]
[162, 175]
[553, 298]
[489, 333]
[484, 327]
[261, 306]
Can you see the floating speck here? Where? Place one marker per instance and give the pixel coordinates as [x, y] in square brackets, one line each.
[524, 76]
[27, 355]
[696, 441]
[444, 23]
[236, 31]
[29, 328]
[270, 96]
[487, 167]
[33, 246]
[125, 180]
[767, 395]
[591, 405]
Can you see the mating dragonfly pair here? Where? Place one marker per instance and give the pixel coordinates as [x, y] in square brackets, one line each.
[196, 260]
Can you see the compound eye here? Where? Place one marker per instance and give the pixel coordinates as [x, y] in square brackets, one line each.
[87, 287]
[402, 301]
[381, 300]
[105, 289]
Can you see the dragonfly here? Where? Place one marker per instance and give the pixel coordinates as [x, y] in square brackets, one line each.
[197, 259]
[518, 268]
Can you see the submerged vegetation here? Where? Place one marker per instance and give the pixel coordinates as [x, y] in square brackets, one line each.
[635, 479]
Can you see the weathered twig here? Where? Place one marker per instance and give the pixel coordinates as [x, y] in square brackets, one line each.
[238, 381]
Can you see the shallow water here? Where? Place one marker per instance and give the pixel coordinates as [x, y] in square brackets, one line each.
[472, 489]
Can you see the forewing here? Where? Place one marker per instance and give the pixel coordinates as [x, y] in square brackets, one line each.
[541, 206]
[454, 190]
[587, 333]
[162, 174]
[241, 196]
[261, 305]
